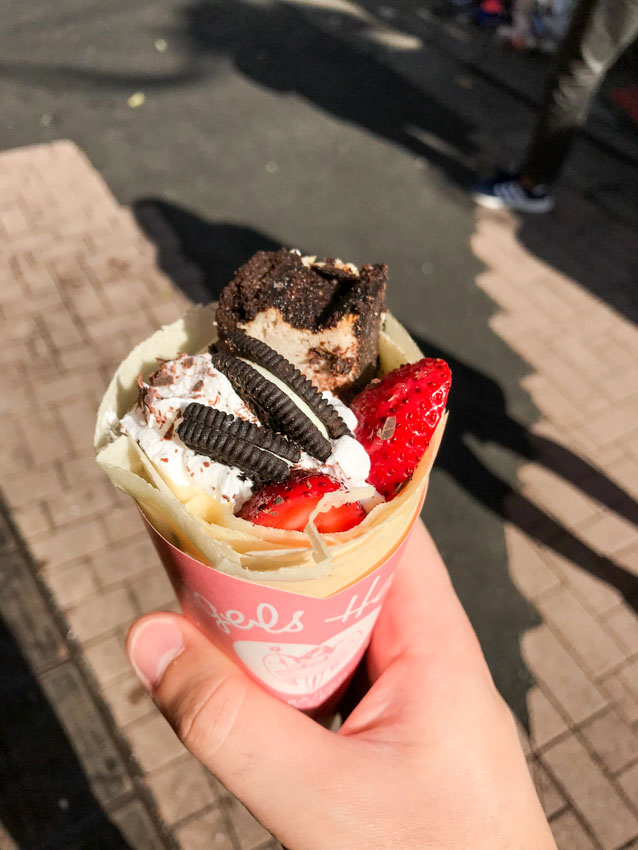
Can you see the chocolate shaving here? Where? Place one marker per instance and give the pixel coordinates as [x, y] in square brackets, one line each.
[275, 409]
[263, 438]
[387, 429]
[163, 380]
[259, 352]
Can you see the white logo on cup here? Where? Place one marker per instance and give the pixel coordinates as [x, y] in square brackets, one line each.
[371, 598]
[302, 668]
[266, 618]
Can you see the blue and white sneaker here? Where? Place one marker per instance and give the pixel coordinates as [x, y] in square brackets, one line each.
[505, 192]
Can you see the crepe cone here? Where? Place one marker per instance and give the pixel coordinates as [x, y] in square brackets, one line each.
[295, 609]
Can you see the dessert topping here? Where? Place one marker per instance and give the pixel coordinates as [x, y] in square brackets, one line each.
[275, 409]
[242, 345]
[397, 416]
[216, 420]
[231, 450]
[289, 505]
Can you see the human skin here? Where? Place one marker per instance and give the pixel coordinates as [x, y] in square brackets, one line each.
[429, 758]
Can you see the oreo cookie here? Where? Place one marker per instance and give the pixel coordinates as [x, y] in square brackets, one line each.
[263, 438]
[261, 466]
[275, 409]
[259, 352]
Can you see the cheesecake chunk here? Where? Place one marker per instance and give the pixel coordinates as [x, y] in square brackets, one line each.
[321, 315]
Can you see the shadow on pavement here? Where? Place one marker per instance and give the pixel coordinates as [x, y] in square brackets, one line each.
[46, 799]
[199, 256]
[478, 410]
[280, 48]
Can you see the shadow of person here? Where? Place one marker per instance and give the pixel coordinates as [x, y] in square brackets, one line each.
[46, 799]
[280, 48]
[478, 411]
[561, 240]
[199, 256]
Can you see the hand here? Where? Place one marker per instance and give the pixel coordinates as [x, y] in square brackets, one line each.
[429, 758]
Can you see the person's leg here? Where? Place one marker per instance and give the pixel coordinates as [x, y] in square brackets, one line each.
[598, 33]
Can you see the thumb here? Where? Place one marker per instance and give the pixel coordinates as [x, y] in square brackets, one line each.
[262, 750]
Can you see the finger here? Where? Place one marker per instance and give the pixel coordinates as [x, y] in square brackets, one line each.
[262, 750]
[422, 614]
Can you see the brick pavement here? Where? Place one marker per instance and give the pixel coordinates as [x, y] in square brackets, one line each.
[80, 287]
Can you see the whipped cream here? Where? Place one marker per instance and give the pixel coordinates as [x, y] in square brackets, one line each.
[153, 422]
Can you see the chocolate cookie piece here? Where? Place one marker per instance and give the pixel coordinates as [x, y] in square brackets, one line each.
[231, 450]
[241, 345]
[314, 312]
[275, 409]
[263, 438]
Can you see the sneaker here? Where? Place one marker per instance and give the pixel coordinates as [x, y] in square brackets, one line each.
[505, 192]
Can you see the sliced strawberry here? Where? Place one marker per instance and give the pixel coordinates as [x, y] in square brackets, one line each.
[397, 416]
[289, 504]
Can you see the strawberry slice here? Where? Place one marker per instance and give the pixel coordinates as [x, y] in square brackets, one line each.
[289, 504]
[397, 416]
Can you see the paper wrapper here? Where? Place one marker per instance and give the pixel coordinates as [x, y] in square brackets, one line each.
[299, 648]
[295, 609]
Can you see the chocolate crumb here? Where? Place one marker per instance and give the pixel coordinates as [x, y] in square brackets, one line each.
[163, 380]
[277, 500]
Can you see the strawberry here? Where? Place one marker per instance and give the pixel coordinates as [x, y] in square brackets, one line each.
[397, 415]
[289, 504]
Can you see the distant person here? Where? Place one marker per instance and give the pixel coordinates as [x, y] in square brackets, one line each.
[598, 33]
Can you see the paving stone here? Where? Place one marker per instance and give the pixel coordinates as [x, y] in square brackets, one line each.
[68, 543]
[566, 502]
[135, 826]
[528, 570]
[69, 586]
[85, 728]
[80, 502]
[29, 629]
[124, 522]
[182, 789]
[208, 831]
[107, 658]
[101, 613]
[621, 694]
[569, 833]
[628, 781]
[128, 699]
[545, 722]
[615, 743]
[551, 664]
[623, 622]
[249, 832]
[598, 594]
[608, 532]
[551, 798]
[154, 742]
[126, 560]
[599, 803]
[597, 651]
[33, 519]
[153, 590]
[32, 485]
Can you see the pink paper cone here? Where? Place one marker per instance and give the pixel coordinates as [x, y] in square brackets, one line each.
[299, 648]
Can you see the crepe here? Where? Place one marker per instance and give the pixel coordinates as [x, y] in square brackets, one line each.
[301, 561]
